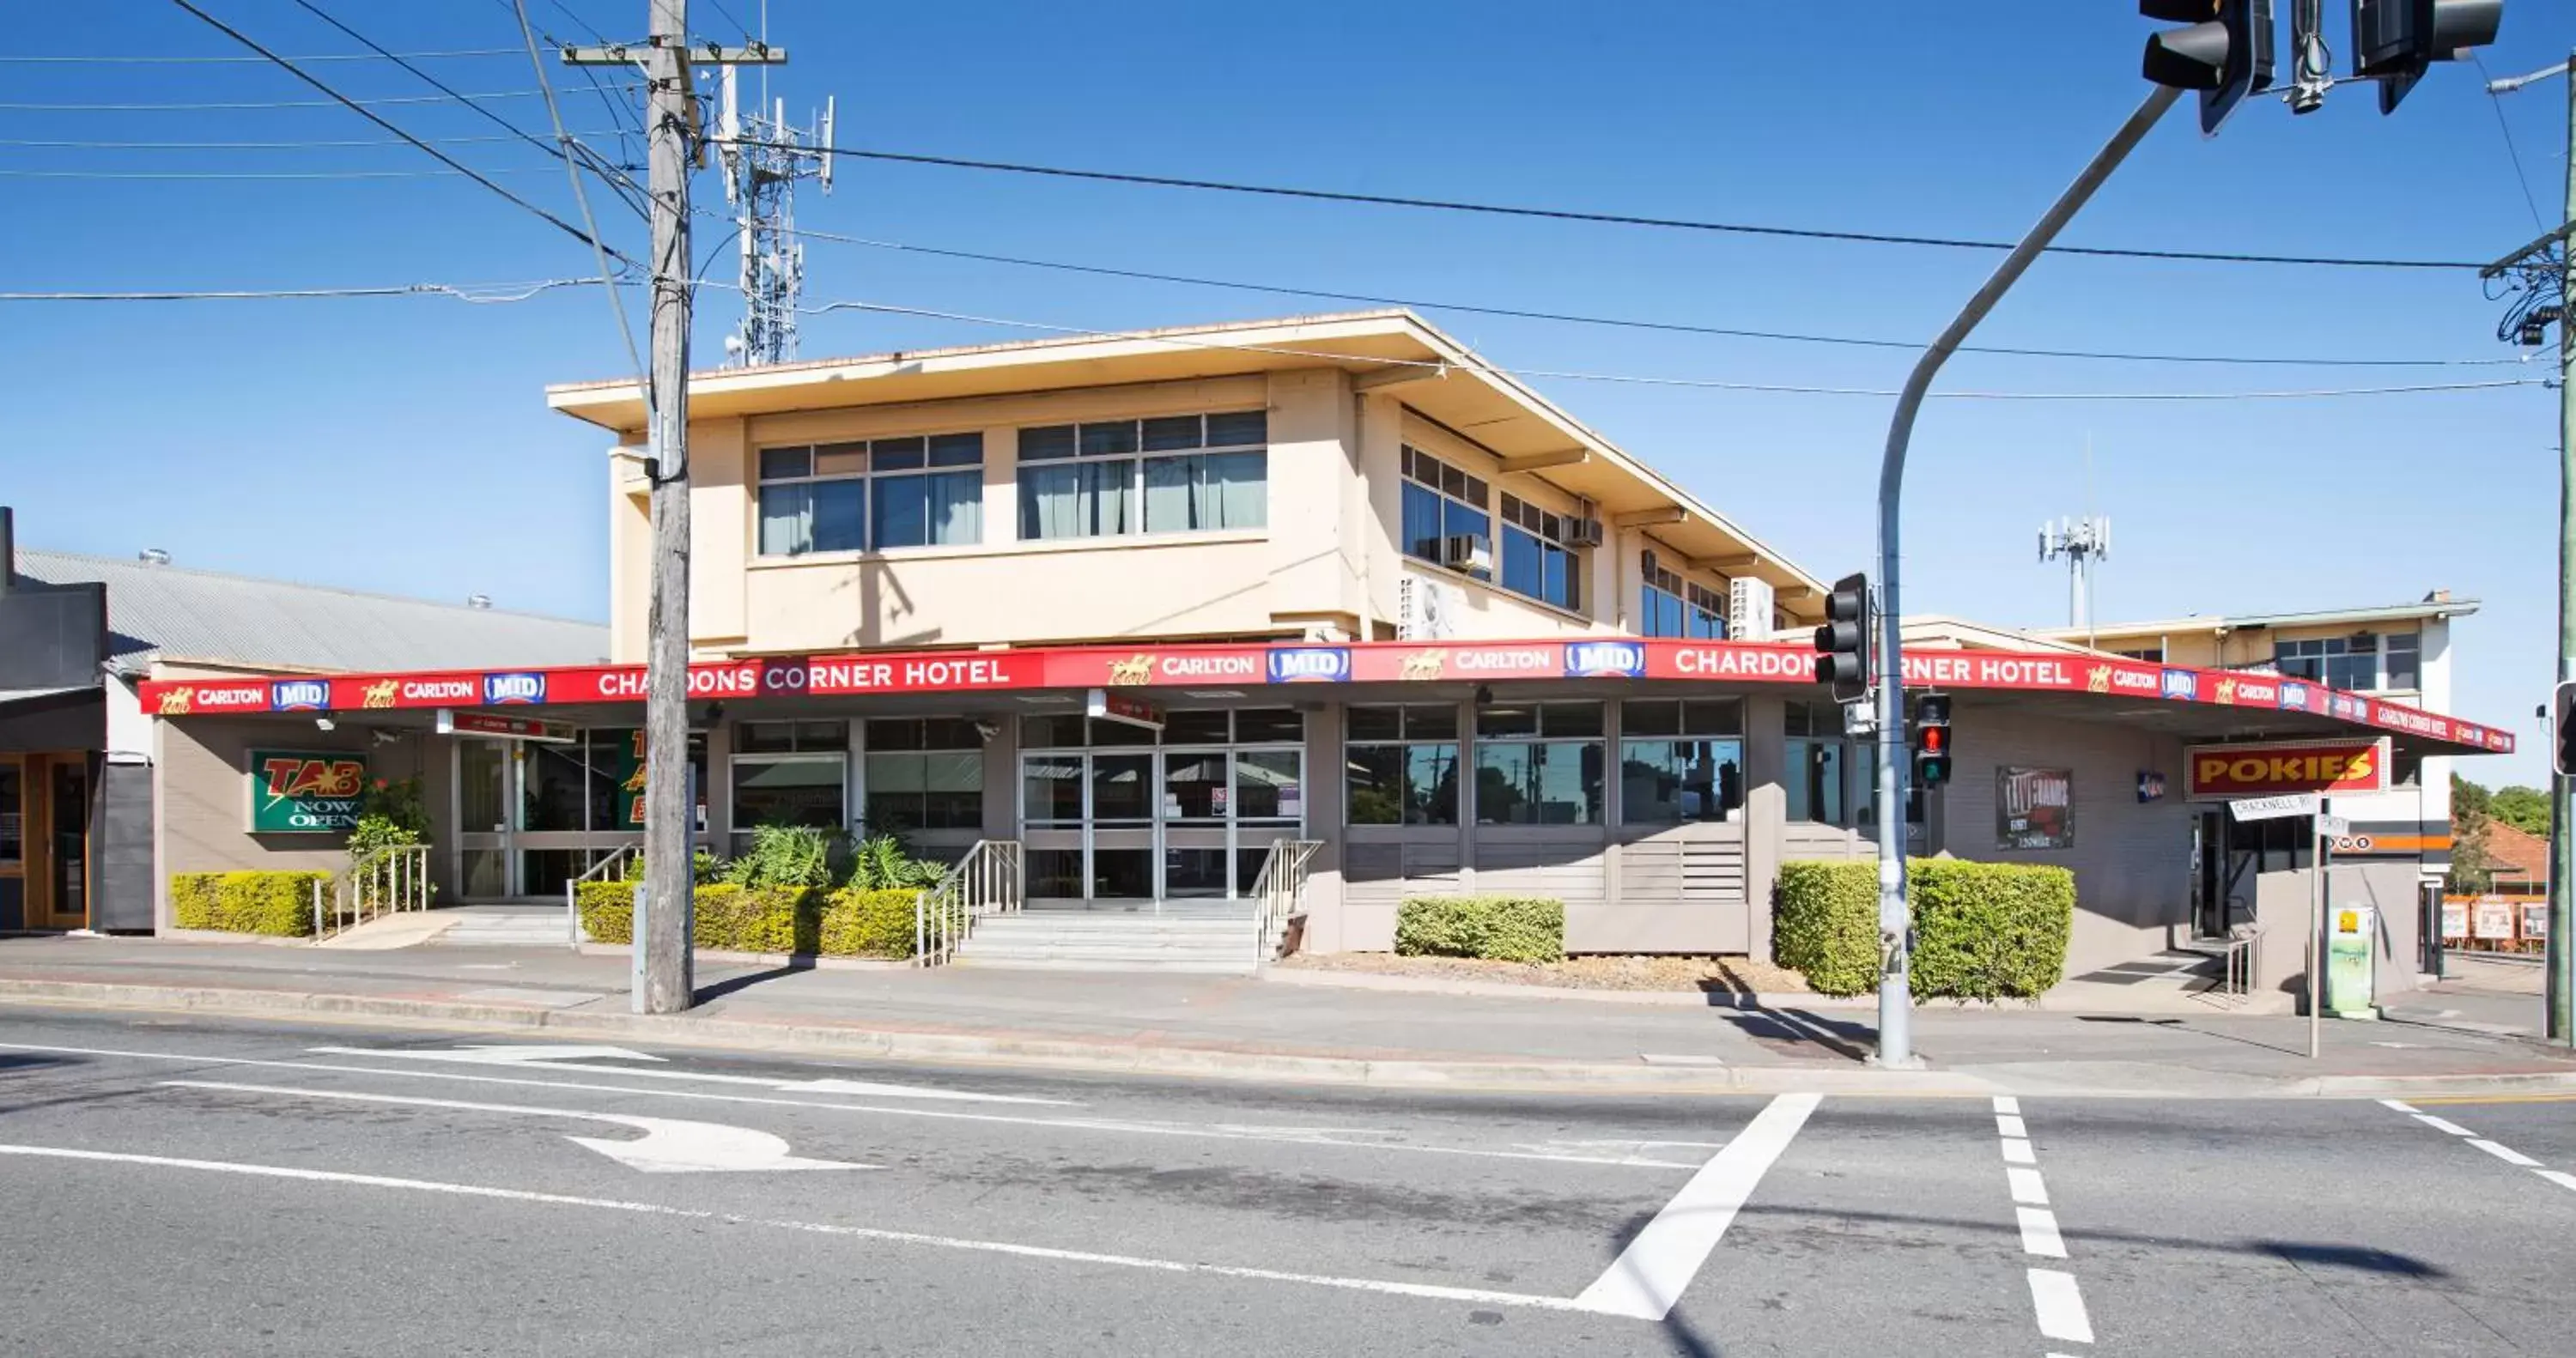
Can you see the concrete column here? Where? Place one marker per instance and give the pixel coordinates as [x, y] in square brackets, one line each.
[1766, 810]
[1467, 797]
[1002, 779]
[721, 476]
[1377, 506]
[1001, 486]
[1325, 790]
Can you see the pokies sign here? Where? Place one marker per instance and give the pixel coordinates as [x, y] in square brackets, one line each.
[2219, 772]
[305, 792]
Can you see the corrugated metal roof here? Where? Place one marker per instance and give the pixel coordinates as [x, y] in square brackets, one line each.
[207, 615]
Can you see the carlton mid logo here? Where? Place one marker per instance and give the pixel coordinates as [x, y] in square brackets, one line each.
[1605, 660]
[379, 694]
[1135, 669]
[299, 695]
[2348, 707]
[1423, 665]
[518, 687]
[2182, 684]
[1310, 665]
[2294, 696]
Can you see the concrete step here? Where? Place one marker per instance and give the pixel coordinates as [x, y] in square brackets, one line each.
[1161, 966]
[1225, 928]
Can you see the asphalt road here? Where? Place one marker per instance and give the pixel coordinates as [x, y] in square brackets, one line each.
[179, 1186]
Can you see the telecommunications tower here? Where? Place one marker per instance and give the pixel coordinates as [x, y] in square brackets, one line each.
[763, 158]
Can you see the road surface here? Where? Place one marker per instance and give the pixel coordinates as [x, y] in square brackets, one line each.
[184, 1186]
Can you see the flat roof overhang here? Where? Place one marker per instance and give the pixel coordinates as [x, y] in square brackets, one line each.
[2188, 703]
[1393, 351]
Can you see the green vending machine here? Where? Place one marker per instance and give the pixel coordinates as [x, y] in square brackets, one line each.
[2351, 939]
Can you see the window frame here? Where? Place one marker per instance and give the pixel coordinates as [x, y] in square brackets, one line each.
[872, 480]
[1406, 745]
[1539, 740]
[1698, 612]
[1133, 483]
[1545, 533]
[1450, 487]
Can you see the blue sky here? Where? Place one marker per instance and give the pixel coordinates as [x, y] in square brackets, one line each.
[403, 445]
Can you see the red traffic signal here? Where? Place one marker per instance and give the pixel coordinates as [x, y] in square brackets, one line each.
[1932, 740]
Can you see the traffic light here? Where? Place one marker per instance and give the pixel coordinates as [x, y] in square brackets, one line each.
[1846, 645]
[2562, 729]
[2395, 40]
[1932, 740]
[2226, 53]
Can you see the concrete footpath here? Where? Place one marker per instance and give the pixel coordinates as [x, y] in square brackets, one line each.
[1263, 1030]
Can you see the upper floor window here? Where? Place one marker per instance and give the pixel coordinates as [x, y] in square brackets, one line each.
[1441, 503]
[2354, 662]
[853, 497]
[2150, 654]
[1170, 474]
[1674, 607]
[1536, 558]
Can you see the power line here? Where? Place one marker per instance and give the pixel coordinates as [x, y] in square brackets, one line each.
[1605, 218]
[581, 199]
[442, 157]
[233, 61]
[251, 174]
[1517, 375]
[463, 292]
[268, 103]
[2521, 180]
[1674, 327]
[304, 145]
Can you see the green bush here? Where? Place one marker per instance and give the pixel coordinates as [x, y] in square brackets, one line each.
[1497, 928]
[279, 904]
[1982, 931]
[772, 920]
[1826, 925]
[1987, 931]
[784, 856]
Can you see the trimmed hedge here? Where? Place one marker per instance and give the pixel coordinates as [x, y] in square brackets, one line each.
[1982, 931]
[1497, 928]
[795, 920]
[279, 904]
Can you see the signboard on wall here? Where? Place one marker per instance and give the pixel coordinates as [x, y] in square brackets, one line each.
[305, 792]
[2034, 808]
[2268, 768]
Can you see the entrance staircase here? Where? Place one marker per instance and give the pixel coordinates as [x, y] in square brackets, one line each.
[977, 918]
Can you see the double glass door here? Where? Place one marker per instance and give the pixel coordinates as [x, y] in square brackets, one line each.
[1129, 826]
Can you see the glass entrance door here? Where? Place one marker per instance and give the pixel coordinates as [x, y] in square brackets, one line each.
[486, 835]
[1188, 818]
[67, 832]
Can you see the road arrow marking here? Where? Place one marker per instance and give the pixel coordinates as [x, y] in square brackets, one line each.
[569, 1058]
[1649, 1276]
[668, 1146]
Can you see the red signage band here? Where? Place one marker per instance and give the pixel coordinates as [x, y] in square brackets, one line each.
[2268, 768]
[1081, 667]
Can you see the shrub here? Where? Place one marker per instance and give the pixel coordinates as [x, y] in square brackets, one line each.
[1986, 931]
[884, 862]
[1826, 925]
[790, 920]
[784, 856]
[279, 904]
[1498, 928]
[1982, 931]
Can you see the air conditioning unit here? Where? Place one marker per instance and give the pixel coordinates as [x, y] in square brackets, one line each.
[1467, 552]
[1423, 608]
[1582, 533]
[1749, 606]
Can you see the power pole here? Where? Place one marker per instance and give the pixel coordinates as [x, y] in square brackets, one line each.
[2539, 274]
[666, 980]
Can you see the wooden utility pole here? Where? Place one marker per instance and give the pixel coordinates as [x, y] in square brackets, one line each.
[665, 971]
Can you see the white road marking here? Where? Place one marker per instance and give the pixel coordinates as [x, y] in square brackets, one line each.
[668, 1146]
[2399, 1104]
[566, 1058]
[1429, 1291]
[2441, 1125]
[1650, 1275]
[2017, 1152]
[2559, 1177]
[2039, 1233]
[2026, 1186]
[2504, 1153]
[2060, 1304]
[2008, 1124]
[2006, 1103]
[936, 1114]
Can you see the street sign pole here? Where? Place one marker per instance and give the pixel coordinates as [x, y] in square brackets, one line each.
[2324, 861]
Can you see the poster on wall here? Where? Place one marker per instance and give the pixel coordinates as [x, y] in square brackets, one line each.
[2455, 919]
[305, 792]
[2495, 919]
[2535, 921]
[2034, 808]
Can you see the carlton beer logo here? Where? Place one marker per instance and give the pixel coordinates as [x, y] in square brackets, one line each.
[1135, 669]
[2226, 692]
[291, 776]
[1310, 664]
[1604, 660]
[1423, 665]
[516, 687]
[2300, 766]
[299, 695]
[379, 694]
[2098, 679]
[177, 702]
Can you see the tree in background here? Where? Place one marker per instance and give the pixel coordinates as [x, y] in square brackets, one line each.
[2524, 808]
[2471, 813]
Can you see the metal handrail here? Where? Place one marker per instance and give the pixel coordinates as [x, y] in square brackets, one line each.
[615, 861]
[989, 880]
[393, 877]
[2240, 961]
[1277, 891]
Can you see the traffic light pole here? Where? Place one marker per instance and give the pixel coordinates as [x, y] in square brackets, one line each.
[2561, 984]
[1895, 999]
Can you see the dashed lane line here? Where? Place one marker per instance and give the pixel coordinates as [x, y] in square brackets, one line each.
[2055, 1298]
[2502, 1152]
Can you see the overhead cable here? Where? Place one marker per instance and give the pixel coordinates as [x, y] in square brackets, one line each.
[220, 105]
